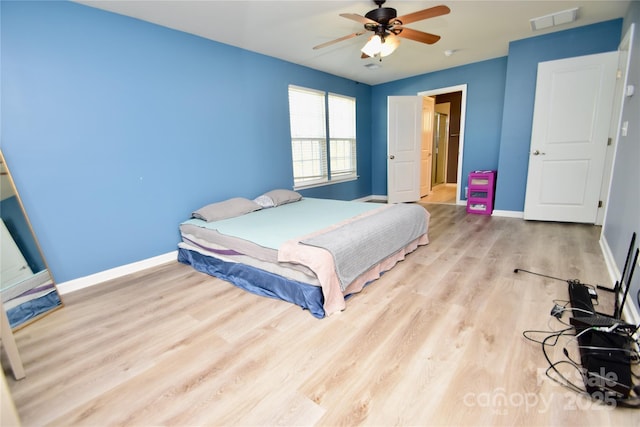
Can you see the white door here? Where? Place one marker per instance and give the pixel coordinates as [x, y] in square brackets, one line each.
[404, 144]
[426, 153]
[572, 112]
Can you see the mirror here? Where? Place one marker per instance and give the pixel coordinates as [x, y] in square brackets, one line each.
[27, 288]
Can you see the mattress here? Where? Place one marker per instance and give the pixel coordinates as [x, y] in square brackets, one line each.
[336, 246]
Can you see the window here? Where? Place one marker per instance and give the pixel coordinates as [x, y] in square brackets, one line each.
[342, 136]
[322, 150]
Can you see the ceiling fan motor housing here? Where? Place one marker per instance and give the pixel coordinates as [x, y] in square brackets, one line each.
[382, 15]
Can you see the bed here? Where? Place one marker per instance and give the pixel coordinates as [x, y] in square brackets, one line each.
[311, 252]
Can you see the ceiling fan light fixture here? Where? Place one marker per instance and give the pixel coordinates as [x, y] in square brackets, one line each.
[388, 27]
[373, 46]
[390, 43]
[381, 45]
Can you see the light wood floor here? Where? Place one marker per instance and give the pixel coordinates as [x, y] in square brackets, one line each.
[442, 193]
[436, 341]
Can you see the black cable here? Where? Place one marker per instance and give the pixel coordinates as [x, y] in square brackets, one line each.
[552, 366]
[562, 380]
[608, 395]
[570, 281]
[566, 383]
[542, 275]
[566, 354]
[553, 333]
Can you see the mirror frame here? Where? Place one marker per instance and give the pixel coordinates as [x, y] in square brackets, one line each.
[40, 314]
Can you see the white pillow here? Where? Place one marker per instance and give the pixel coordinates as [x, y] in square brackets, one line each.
[281, 196]
[264, 201]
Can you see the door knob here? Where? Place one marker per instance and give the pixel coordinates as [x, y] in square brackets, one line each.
[392, 157]
[537, 153]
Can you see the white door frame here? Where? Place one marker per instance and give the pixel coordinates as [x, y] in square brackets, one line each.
[463, 109]
[624, 62]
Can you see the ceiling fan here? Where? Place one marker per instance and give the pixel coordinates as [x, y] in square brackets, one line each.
[388, 28]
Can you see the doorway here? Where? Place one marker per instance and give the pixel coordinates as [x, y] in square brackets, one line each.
[447, 145]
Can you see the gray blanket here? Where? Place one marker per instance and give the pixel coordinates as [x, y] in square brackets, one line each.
[358, 246]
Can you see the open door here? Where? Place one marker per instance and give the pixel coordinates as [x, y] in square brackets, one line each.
[426, 152]
[572, 113]
[406, 130]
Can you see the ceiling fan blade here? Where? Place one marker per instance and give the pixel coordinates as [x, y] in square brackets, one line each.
[432, 12]
[329, 43]
[418, 36]
[358, 18]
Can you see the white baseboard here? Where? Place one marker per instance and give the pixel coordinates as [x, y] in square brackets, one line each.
[629, 311]
[114, 273]
[508, 214]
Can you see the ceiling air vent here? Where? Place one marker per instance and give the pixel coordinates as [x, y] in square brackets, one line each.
[558, 18]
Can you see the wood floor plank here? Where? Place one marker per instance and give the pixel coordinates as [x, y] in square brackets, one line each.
[438, 340]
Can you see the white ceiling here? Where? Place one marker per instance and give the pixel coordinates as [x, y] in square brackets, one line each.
[476, 30]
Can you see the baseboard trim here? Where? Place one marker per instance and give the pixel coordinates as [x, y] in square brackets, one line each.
[114, 273]
[508, 214]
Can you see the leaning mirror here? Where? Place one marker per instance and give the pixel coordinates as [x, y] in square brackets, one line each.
[27, 288]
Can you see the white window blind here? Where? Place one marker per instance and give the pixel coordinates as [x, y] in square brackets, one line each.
[310, 141]
[342, 133]
[308, 136]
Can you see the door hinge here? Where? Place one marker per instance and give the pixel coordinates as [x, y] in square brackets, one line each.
[600, 204]
[619, 74]
[609, 141]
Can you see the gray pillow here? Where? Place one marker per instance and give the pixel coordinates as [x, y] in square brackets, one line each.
[281, 196]
[226, 209]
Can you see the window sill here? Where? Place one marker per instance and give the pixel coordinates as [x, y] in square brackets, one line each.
[322, 184]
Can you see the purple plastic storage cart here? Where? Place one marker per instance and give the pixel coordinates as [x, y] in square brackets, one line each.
[481, 188]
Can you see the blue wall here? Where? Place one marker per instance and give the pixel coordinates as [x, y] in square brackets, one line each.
[116, 129]
[520, 87]
[500, 95]
[485, 98]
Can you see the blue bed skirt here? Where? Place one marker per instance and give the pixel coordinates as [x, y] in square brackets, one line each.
[258, 281]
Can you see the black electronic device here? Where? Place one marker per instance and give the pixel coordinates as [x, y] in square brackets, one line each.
[580, 298]
[605, 341]
[619, 306]
[605, 358]
[599, 321]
